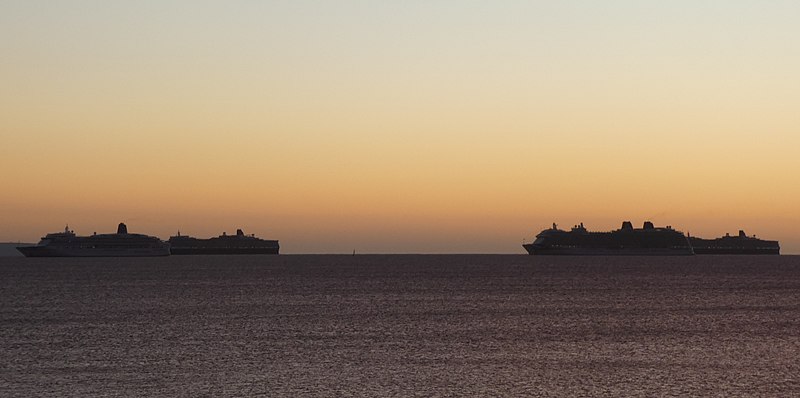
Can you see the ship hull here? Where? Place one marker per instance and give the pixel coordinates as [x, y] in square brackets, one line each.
[733, 250]
[600, 251]
[178, 251]
[43, 251]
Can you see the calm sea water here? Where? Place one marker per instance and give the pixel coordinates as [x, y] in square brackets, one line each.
[473, 325]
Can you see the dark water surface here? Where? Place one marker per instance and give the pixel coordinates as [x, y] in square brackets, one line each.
[379, 326]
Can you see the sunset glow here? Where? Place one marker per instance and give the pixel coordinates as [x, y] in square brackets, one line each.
[421, 127]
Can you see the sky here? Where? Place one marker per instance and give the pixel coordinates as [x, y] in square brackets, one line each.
[399, 127]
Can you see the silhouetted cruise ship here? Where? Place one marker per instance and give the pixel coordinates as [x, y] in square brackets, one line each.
[741, 244]
[627, 240]
[120, 244]
[223, 244]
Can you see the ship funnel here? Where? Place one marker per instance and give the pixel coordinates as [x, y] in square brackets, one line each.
[742, 234]
[122, 228]
[648, 225]
[239, 232]
[627, 225]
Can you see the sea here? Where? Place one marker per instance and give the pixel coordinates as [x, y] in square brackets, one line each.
[400, 326]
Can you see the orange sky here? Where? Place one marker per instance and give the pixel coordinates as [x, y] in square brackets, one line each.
[420, 127]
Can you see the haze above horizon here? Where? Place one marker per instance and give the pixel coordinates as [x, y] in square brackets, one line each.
[423, 127]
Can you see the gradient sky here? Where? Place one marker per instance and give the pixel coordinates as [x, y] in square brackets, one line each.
[413, 126]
